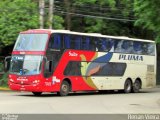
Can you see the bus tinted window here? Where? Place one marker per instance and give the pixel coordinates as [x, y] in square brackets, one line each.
[67, 41]
[151, 49]
[100, 44]
[85, 45]
[148, 48]
[118, 46]
[73, 69]
[134, 47]
[55, 41]
[92, 44]
[123, 46]
[72, 42]
[100, 69]
[77, 42]
[103, 44]
[137, 47]
[127, 46]
[110, 69]
[109, 44]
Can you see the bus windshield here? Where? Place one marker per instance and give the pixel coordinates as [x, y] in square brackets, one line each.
[31, 42]
[25, 65]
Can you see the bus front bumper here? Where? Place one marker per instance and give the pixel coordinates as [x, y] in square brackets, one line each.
[30, 88]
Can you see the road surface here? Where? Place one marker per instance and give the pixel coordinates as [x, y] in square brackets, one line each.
[147, 101]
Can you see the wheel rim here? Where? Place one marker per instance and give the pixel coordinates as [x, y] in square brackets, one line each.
[128, 87]
[137, 85]
[64, 88]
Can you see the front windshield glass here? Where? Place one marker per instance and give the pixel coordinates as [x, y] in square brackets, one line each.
[26, 65]
[31, 42]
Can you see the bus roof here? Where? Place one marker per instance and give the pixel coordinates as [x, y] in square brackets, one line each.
[49, 31]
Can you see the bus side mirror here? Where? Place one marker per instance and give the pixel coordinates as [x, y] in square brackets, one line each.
[7, 62]
[47, 66]
[48, 69]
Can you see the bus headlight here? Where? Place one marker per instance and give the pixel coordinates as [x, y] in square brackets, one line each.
[36, 81]
[11, 80]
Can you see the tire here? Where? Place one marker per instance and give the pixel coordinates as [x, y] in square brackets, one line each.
[136, 86]
[65, 89]
[127, 86]
[37, 93]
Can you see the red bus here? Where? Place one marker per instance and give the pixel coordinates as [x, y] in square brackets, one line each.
[63, 61]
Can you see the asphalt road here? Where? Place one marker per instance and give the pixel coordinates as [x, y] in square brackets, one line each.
[147, 101]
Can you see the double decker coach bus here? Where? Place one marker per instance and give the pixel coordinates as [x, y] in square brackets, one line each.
[63, 61]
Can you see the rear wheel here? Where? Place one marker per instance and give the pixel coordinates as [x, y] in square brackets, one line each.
[136, 86]
[65, 89]
[37, 93]
[127, 86]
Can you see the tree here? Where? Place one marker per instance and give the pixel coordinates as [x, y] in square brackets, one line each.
[20, 15]
[147, 12]
[16, 16]
[56, 21]
[112, 17]
[68, 16]
[41, 13]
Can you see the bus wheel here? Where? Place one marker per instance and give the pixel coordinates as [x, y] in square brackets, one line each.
[65, 88]
[136, 86]
[127, 86]
[37, 93]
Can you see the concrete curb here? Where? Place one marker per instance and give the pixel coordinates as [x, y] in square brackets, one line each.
[157, 86]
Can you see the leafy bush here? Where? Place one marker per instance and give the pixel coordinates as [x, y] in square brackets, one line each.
[4, 80]
[1, 67]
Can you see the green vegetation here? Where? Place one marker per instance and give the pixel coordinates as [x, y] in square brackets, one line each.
[147, 12]
[1, 67]
[4, 80]
[16, 16]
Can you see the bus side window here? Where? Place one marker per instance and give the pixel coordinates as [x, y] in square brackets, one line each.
[145, 48]
[127, 46]
[92, 44]
[55, 41]
[97, 44]
[85, 43]
[137, 47]
[73, 68]
[110, 45]
[67, 42]
[118, 46]
[151, 49]
[77, 42]
[105, 45]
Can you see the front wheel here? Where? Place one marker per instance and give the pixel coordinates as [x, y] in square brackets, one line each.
[65, 88]
[37, 93]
